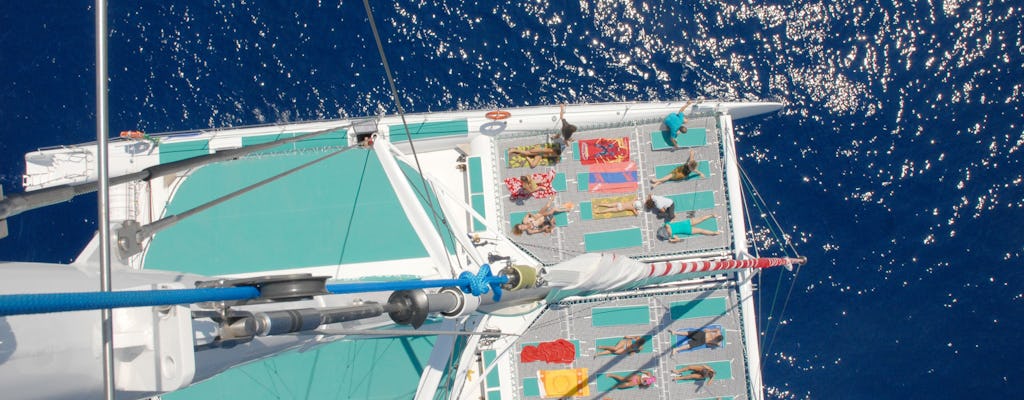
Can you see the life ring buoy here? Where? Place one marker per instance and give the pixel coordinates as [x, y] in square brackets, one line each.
[497, 115]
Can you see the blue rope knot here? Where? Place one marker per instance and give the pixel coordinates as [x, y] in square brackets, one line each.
[482, 282]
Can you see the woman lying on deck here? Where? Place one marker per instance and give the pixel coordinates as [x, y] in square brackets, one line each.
[710, 337]
[699, 372]
[685, 227]
[626, 345]
[640, 378]
[541, 221]
[631, 206]
[680, 173]
[534, 156]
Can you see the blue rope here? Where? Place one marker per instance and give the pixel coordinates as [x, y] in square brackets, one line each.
[39, 303]
[19, 304]
[479, 284]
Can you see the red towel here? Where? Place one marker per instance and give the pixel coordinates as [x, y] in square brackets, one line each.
[560, 351]
[604, 150]
[515, 186]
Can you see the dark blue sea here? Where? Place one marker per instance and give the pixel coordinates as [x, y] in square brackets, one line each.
[896, 166]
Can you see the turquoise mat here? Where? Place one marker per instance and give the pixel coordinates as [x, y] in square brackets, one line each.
[612, 341]
[620, 239]
[576, 150]
[709, 307]
[702, 166]
[476, 175]
[586, 212]
[479, 206]
[723, 370]
[559, 182]
[693, 201]
[531, 387]
[425, 130]
[614, 316]
[582, 181]
[496, 395]
[605, 384]
[711, 225]
[493, 379]
[175, 151]
[561, 219]
[692, 138]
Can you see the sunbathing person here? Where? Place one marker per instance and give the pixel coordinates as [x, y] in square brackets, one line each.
[567, 128]
[642, 379]
[699, 372]
[710, 337]
[529, 185]
[626, 345]
[663, 206]
[541, 221]
[631, 206]
[680, 173]
[685, 227]
[535, 156]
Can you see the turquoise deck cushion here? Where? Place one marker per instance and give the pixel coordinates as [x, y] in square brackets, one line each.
[610, 240]
[174, 151]
[693, 201]
[531, 387]
[693, 137]
[615, 316]
[708, 307]
[586, 211]
[424, 130]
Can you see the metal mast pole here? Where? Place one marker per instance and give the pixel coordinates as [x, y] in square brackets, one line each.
[102, 133]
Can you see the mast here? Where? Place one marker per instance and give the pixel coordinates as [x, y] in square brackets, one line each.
[102, 129]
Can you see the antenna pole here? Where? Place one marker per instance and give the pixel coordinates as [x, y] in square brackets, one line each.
[102, 133]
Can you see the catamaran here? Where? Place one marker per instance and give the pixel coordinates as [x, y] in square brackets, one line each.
[473, 254]
[356, 231]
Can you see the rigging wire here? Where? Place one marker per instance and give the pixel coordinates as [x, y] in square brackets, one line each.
[401, 113]
[759, 202]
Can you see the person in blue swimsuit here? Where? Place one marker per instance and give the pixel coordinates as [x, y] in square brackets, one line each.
[676, 123]
[686, 227]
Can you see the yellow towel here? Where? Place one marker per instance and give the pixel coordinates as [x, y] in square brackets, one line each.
[563, 383]
[612, 200]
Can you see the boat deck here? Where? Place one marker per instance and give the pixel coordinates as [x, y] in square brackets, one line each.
[586, 180]
[592, 323]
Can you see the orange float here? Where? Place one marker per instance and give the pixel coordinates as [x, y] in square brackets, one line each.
[498, 115]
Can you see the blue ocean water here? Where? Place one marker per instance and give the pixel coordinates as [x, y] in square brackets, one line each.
[896, 165]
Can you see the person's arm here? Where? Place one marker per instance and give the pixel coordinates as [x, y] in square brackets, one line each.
[674, 239]
[561, 113]
[533, 161]
[688, 103]
[674, 142]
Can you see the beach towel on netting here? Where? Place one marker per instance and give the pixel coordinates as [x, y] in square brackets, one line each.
[604, 150]
[613, 178]
[620, 204]
[543, 180]
[519, 161]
